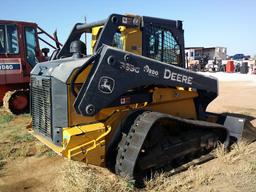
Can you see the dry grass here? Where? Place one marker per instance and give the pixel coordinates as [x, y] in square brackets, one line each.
[15, 141]
[239, 163]
[238, 151]
[186, 181]
[79, 177]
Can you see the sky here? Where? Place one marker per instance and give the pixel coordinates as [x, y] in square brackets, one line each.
[227, 23]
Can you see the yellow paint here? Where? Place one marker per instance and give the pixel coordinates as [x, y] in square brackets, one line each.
[95, 35]
[132, 38]
[85, 143]
[176, 102]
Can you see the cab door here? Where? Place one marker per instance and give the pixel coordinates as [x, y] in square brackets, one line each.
[31, 46]
[10, 53]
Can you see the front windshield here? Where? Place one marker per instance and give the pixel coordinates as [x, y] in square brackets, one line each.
[9, 39]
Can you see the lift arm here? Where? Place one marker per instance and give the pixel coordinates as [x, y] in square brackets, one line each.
[116, 72]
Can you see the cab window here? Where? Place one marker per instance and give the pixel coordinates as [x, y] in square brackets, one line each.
[31, 45]
[117, 41]
[2, 39]
[9, 39]
[161, 45]
[155, 45]
[171, 49]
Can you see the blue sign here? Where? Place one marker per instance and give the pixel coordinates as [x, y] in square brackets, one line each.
[9, 66]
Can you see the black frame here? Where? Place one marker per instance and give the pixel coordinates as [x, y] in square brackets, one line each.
[175, 27]
[111, 26]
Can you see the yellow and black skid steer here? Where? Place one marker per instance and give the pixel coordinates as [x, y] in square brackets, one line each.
[131, 106]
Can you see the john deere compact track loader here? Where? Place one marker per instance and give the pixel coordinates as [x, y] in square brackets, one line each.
[130, 106]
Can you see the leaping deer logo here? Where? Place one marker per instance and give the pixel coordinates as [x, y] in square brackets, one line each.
[106, 85]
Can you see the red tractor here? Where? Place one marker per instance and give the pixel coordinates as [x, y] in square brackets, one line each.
[19, 53]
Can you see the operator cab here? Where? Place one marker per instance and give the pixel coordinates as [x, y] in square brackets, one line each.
[21, 40]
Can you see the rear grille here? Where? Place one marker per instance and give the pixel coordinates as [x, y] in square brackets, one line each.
[41, 105]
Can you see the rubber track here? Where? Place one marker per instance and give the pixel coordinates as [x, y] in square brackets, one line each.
[131, 144]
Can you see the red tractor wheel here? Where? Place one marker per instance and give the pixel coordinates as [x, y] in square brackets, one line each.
[17, 102]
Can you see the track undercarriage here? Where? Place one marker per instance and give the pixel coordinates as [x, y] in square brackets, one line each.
[158, 141]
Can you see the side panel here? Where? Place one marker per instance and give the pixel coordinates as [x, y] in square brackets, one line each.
[11, 71]
[59, 110]
[174, 101]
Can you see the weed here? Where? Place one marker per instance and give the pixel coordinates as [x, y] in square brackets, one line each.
[23, 138]
[50, 153]
[43, 150]
[253, 165]
[220, 151]
[2, 164]
[5, 118]
[236, 152]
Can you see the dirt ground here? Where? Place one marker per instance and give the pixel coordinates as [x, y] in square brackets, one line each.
[27, 165]
[235, 97]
